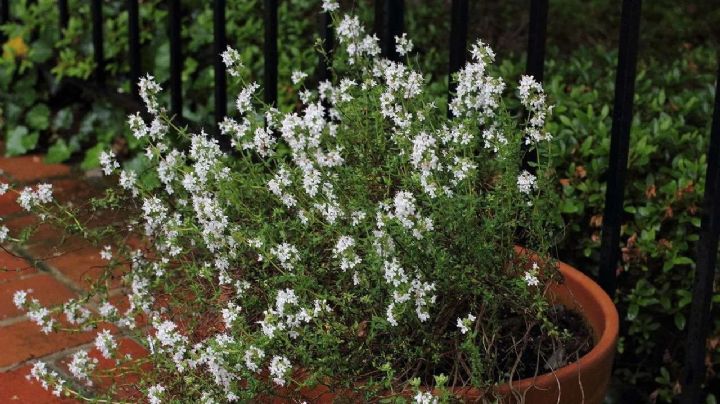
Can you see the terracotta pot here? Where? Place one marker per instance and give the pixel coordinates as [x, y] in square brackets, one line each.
[583, 381]
[586, 380]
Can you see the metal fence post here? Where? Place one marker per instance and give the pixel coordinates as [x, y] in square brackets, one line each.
[176, 58]
[219, 44]
[389, 22]
[458, 44]
[535, 63]
[619, 144]
[706, 262]
[63, 14]
[270, 50]
[328, 43]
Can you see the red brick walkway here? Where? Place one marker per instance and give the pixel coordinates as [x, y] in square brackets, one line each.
[60, 273]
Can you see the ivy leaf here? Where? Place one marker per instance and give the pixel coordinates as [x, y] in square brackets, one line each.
[92, 157]
[38, 117]
[63, 119]
[20, 140]
[58, 152]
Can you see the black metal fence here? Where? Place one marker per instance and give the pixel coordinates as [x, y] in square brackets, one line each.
[388, 23]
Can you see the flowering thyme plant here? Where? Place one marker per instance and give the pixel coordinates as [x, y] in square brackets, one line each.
[364, 241]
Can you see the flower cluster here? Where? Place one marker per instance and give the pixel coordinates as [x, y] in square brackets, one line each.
[342, 237]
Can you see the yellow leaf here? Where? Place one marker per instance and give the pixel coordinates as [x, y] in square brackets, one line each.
[18, 47]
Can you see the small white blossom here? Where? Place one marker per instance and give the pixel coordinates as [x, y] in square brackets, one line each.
[20, 298]
[106, 344]
[330, 5]
[531, 276]
[425, 398]
[298, 76]
[243, 103]
[464, 324]
[403, 45]
[106, 253]
[252, 356]
[279, 367]
[148, 92]
[82, 365]
[526, 182]
[127, 181]
[232, 60]
[108, 162]
[155, 394]
[107, 310]
[230, 314]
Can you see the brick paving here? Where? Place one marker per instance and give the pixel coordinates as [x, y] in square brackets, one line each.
[60, 273]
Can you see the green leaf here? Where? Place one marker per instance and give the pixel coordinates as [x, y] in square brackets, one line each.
[63, 119]
[40, 52]
[20, 141]
[679, 321]
[633, 311]
[38, 117]
[683, 261]
[92, 157]
[14, 144]
[58, 152]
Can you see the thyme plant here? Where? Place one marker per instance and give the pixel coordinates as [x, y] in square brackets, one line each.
[364, 241]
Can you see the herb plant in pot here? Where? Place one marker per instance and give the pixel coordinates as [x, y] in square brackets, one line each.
[360, 247]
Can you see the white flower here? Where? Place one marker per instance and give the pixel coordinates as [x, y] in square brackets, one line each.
[243, 103]
[531, 278]
[425, 398]
[403, 45]
[4, 188]
[20, 298]
[107, 310]
[526, 182]
[106, 253]
[298, 76]
[252, 356]
[330, 5]
[404, 207]
[532, 98]
[108, 163]
[127, 181]
[3, 233]
[464, 324]
[41, 316]
[155, 394]
[481, 52]
[287, 254]
[230, 314]
[29, 198]
[44, 193]
[232, 60]
[279, 367]
[148, 92]
[82, 365]
[137, 126]
[106, 344]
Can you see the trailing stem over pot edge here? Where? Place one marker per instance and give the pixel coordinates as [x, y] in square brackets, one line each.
[364, 238]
